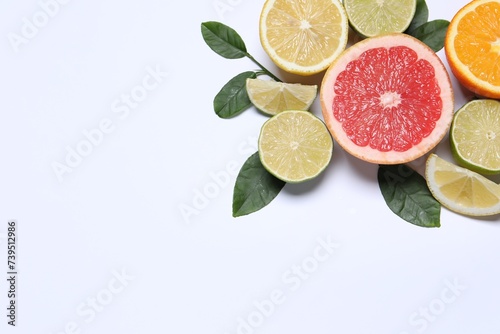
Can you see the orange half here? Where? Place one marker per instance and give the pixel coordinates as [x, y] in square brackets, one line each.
[472, 47]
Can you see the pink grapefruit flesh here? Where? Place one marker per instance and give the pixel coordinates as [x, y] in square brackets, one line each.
[387, 99]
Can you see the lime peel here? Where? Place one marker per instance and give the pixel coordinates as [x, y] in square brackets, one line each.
[475, 136]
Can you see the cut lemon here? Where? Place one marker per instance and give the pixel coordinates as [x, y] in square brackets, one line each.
[475, 136]
[461, 190]
[303, 37]
[472, 47]
[295, 146]
[377, 17]
[272, 97]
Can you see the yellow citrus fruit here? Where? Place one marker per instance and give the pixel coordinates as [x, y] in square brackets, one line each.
[303, 37]
[472, 47]
[295, 146]
[272, 97]
[461, 190]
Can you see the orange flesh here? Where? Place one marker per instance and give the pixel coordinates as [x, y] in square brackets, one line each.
[477, 43]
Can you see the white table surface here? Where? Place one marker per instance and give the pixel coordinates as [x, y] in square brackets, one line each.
[103, 245]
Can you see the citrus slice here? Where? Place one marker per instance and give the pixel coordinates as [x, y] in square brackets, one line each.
[376, 17]
[475, 136]
[461, 190]
[387, 99]
[295, 146]
[303, 37]
[272, 97]
[472, 47]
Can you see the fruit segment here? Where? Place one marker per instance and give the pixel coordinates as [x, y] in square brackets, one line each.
[460, 189]
[272, 97]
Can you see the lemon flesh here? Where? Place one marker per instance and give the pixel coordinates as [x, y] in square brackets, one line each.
[461, 190]
[303, 37]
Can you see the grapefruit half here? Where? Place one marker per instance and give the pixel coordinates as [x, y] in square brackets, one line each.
[387, 99]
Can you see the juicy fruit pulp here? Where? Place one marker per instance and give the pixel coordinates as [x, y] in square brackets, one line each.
[460, 189]
[475, 136]
[376, 17]
[295, 146]
[272, 97]
[392, 104]
[387, 99]
[303, 37]
[472, 47]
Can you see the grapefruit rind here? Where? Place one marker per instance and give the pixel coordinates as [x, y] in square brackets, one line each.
[461, 71]
[366, 153]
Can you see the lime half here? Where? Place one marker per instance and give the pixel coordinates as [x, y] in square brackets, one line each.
[475, 136]
[377, 17]
[295, 146]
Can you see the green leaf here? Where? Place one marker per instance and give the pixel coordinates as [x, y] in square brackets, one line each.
[407, 195]
[421, 16]
[432, 33]
[233, 98]
[255, 187]
[223, 40]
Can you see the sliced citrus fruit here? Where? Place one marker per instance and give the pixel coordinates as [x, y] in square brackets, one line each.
[272, 97]
[475, 136]
[387, 99]
[472, 47]
[295, 146]
[303, 37]
[376, 17]
[461, 190]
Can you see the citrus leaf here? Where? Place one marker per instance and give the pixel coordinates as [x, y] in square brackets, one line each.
[255, 187]
[421, 16]
[233, 98]
[407, 195]
[432, 33]
[223, 40]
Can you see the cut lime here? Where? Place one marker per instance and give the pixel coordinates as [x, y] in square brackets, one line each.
[460, 189]
[295, 146]
[475, 136]
[272, 97]
[377, 17]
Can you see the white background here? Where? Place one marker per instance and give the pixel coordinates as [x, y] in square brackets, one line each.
[119, 211]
